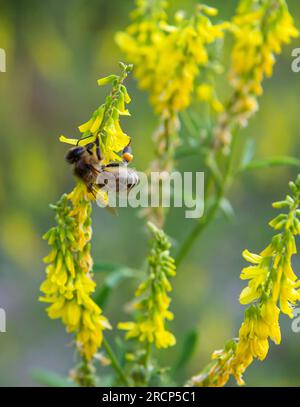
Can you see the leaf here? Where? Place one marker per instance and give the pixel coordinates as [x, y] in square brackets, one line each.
[189, 124]
[198, 122]
[50, 379]
[227, 209]
[112, 280]
[186, 151]
[271, 162]
[248, 153]
[215, 170]
[188, 349]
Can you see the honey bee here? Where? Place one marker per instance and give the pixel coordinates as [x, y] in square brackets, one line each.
[117, 178]
[113, 177]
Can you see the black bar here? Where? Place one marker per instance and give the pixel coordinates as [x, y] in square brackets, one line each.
[127, 396]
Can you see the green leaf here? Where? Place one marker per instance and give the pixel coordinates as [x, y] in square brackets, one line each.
[215, 170]
[227, 209]
[271, 162]
[189, 124]
[190, 149]
[248, 153]
[112, 280]
[46, 378]
[188, 349]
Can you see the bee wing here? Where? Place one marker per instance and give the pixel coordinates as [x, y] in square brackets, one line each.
[125, 178]
[112, 211]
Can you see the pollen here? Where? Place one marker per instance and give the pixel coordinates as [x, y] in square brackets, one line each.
[128, 157]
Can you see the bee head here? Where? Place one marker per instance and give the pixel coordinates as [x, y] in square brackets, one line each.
[74, 154]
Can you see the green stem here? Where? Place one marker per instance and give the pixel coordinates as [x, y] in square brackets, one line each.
[206, 220]
[115, 363]
[148, 354]
[197, 230]
[85, 374]
[148, 357]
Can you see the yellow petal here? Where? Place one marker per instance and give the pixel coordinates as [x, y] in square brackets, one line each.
[251, 257]
[106, 80]
[96, 124]
[72, 141]
[248, 295]
[86, 126]
[126, 326]
[124, 112]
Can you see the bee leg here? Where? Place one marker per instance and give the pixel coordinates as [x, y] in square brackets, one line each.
[89, 148]
[91, 190]
[98, 152]
[83, 138]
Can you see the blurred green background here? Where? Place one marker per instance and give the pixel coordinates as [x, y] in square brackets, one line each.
[56, 50]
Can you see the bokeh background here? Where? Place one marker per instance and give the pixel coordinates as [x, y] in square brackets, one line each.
[56, 50]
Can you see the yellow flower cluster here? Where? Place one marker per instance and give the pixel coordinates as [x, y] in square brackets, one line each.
[69, 285]
[153, 303]
[218, 372]
[168, 57]
[171, 59]
[104, 125]
[273, 288]
[260, 29]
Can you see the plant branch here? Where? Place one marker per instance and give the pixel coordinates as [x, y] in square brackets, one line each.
[206, 220]
[115, 363]
[197, 230]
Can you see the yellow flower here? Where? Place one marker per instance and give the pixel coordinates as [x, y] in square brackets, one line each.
[256, 274]
[169, 58]
[206, 93]
[260, 29]
[69, 285]
[272, 283]
[153, 301]
[289, 296]
[105, 121]
[253, 340]
[260, 324]
[259, 34]
[270, 314]
[164, 339]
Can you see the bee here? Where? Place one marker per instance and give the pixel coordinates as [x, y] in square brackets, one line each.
[113, 177]
[86, 164]
[118, 177]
